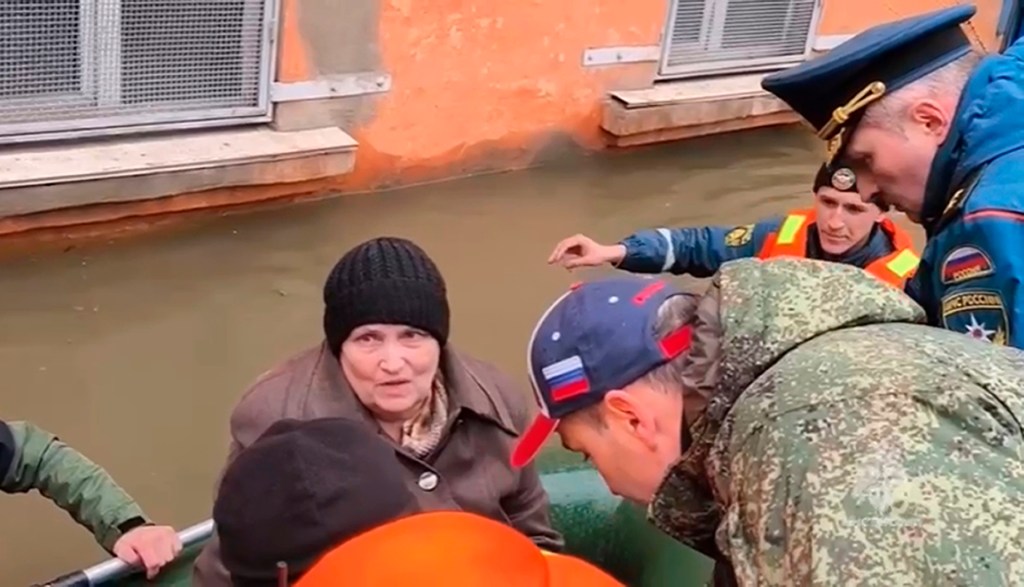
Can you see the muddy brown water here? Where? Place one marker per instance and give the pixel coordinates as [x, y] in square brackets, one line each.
[135, 351]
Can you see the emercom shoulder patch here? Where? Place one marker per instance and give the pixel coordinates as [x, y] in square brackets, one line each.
[980, 314]
[739, 236]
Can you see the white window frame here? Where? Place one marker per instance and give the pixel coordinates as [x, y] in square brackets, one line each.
[106, 90]
[711, 30]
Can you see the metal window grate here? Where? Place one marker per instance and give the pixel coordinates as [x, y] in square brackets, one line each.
[716, 35]
[74, 65]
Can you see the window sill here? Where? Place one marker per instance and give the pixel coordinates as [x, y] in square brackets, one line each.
[692, 108]
[70, 174]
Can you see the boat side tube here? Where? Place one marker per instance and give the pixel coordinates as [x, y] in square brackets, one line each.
[609, 532]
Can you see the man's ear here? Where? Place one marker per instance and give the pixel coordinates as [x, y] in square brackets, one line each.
[628, 410]
[932, 117]
[619, 405]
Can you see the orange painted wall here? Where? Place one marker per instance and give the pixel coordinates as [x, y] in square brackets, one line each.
[503, 76]
[476, 85]
[485, 78]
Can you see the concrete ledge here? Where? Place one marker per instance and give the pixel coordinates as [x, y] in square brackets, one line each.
[825, 43]
[43, 178]
[691, 108]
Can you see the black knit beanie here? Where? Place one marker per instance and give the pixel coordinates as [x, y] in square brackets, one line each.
[385, 280]
[836, 176]
[841, 177]
[302, 488]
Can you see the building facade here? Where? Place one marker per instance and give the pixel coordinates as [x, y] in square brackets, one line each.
[113, 109]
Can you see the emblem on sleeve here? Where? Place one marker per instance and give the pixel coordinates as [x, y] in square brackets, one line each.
[966, 263]
[739, 236]
[980, 314]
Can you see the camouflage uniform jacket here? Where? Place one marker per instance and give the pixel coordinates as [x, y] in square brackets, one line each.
[842, 441]
[32, 458]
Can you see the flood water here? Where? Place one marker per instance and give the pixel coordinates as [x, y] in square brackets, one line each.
[135, 351]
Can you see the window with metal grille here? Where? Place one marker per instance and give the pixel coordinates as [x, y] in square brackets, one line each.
[711, 36]
[88, 67]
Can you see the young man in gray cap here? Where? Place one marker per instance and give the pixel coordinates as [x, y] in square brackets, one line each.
[797, 423]
[938, 132]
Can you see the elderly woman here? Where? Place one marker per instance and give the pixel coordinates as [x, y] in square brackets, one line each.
[385, 359]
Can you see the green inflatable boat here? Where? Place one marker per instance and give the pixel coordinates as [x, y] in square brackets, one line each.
[597, 526]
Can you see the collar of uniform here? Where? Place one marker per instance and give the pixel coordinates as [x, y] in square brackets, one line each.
[683, 506]
[962, 190]
[949, 181]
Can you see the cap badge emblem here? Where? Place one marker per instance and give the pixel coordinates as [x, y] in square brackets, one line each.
[843, 179]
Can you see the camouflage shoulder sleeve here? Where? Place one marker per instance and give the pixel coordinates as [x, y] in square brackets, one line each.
[876, 487]
[80, 487]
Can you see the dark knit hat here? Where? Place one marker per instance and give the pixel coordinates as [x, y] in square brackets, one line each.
[385, 280]
[840, 176]
[301, 489]
[836, 176]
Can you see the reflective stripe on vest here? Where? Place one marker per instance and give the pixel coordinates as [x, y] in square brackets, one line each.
[790, 228]
[904, 263]
[895, 268]
[790, 240]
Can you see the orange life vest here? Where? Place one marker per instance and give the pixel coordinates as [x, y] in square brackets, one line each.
[895, 268]
[449, 549]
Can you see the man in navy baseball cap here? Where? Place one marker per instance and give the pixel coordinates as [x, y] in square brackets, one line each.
[610, 352]
[797, 406]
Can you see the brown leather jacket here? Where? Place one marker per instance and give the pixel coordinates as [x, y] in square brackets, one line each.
[469, 470]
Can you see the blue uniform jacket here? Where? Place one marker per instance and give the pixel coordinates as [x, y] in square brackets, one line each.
[969, 279]
[701, 251]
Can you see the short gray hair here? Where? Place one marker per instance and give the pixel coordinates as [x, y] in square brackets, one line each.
[673, 314]
[948, 80]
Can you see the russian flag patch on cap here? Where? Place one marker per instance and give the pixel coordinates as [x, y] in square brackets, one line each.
[566, 378]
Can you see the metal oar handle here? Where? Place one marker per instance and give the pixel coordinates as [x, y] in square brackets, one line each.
[115, 568]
